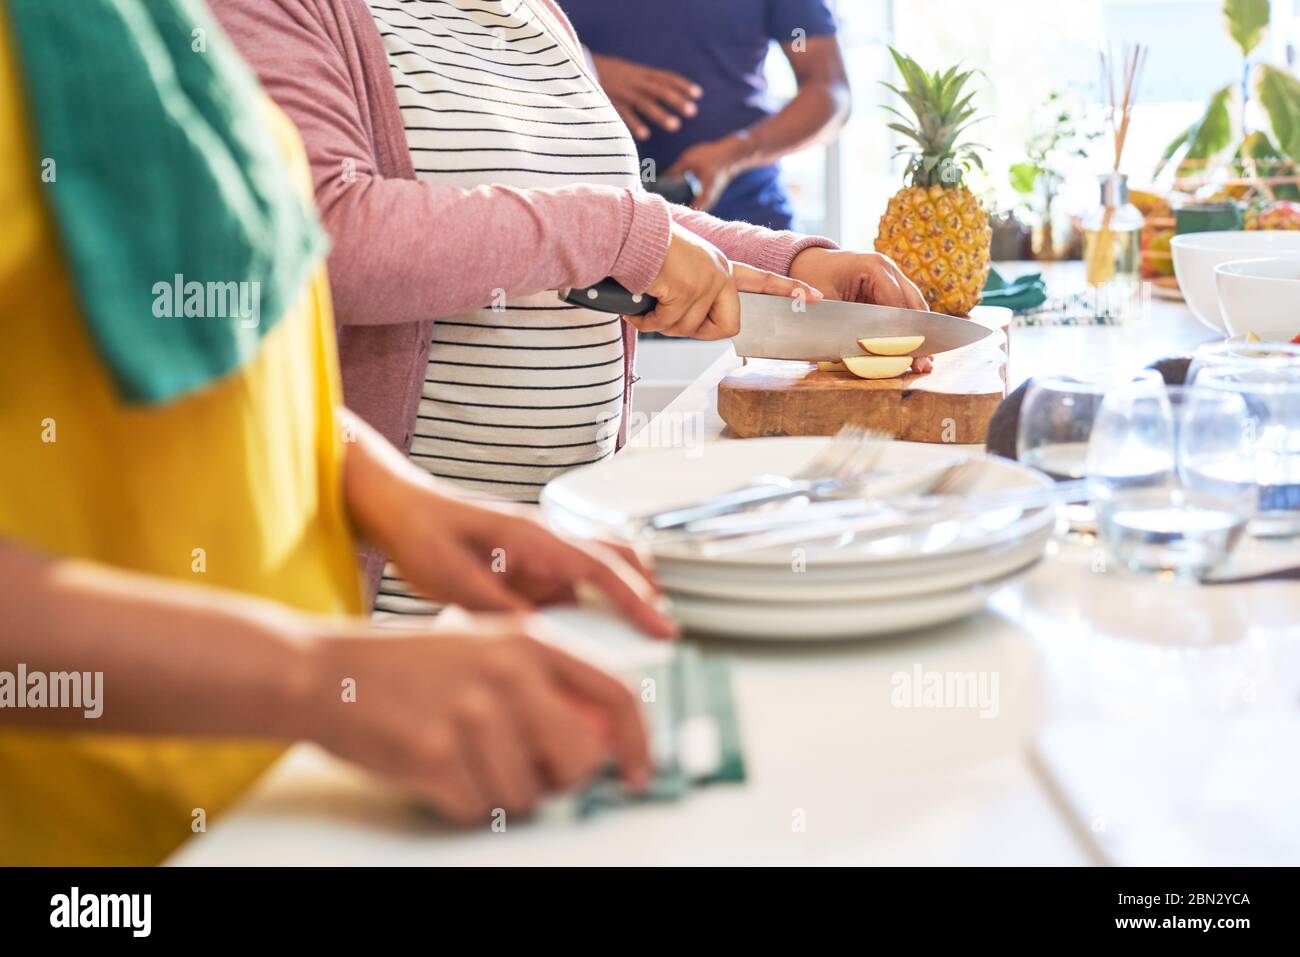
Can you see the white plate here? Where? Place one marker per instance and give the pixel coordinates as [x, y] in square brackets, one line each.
[831, 575]
[601, 499]
[939, 574]
[838, 621]
[794, 587]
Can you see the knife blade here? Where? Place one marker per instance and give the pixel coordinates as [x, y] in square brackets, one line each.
[778, 327]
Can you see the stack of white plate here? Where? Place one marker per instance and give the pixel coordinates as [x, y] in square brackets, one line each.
[844, 588]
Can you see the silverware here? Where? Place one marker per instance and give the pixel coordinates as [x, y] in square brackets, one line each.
[857, 499]
[894, 516]
[1277, 575]
[850, 455]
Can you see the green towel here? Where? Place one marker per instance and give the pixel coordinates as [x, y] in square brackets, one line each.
[1020, 295]
[186, 238]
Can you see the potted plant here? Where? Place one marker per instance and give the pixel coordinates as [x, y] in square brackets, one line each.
[1221, 149]
[1061, 135]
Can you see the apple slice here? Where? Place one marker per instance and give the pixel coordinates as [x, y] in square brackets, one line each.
[877, 367]
[831, 367]
[892, 345]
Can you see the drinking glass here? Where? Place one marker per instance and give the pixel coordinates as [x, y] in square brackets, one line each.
[1239, 353]
[1056, 422]
[1272, 433]
[1171, 477]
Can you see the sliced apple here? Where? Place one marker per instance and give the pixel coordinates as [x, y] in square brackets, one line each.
[892, 345]
[831, 367]
[877, 367]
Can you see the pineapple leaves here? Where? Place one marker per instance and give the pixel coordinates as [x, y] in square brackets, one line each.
[1204, 139]
[942, 111]
[1247, 21]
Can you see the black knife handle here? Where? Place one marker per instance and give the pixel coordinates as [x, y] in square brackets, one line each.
[681, 190]
[610, 296]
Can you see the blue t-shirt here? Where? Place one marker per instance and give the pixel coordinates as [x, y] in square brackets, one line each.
[720, 45]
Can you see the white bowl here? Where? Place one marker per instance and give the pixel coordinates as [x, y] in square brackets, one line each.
[1196, 255]
[1261, 296]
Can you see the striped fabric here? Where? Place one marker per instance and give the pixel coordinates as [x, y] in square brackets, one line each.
[519, 392]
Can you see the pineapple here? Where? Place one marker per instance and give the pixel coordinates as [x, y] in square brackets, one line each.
[935, 228]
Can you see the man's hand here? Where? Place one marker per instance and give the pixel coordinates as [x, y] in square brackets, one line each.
[860, 277]
[477, 715]
[483, 556]
[643, 94]
[716, 164]
[698, 287]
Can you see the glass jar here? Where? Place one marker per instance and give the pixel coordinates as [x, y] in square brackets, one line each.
[1112, 243]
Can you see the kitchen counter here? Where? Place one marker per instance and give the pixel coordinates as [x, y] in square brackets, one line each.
[840, 771]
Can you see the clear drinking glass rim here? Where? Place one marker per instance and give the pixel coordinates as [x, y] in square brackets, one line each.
[1065, 381]
[1208, 374]
[1279, 353]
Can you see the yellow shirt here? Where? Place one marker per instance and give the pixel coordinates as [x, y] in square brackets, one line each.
[238, 486]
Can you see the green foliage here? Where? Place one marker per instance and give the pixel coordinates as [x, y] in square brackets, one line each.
[1058, 137]
[1246, 22]
[1203, 140]
[1024, 177]
[1279, 94]
[941, 114]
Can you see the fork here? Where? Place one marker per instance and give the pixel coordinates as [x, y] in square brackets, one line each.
[851, 453]
[893, 516]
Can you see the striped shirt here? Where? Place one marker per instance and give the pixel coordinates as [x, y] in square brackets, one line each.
[525, 389]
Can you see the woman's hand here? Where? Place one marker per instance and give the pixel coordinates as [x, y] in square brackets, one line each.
[478, 714]
[861, 277]
[483, 556]
[640, 93]
[857, 277]
[698, 288]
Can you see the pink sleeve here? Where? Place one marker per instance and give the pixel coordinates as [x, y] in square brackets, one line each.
[742, 242]
[405, 250]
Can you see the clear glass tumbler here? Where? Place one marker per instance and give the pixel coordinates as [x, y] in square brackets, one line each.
[1171, 477]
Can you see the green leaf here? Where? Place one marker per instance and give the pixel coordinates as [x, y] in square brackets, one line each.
[1204, 139]
[1246, 20]
[1024, 177]
[1257, 146]
[1279, 92]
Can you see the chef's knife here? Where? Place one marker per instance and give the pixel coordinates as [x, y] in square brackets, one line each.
[778, 327]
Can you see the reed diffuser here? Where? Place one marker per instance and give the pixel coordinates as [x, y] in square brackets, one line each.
[1113, 232]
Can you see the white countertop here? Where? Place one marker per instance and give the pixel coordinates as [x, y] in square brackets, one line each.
[872, 783]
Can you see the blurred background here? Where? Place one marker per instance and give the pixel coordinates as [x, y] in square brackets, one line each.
[1028, 50]
[1042, 88]
[1046, 130]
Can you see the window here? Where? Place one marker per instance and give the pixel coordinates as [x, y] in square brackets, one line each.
[1025, 48]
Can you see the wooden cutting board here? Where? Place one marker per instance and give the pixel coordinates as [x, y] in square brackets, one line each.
[952, 404]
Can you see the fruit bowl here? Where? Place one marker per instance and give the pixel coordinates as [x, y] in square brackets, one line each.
[1261, 296]
[1197, 255]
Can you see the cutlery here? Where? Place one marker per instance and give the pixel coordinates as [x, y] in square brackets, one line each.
[779, 327]
[870, 493]
[1276, 575]
[888, 517]
[852, 453]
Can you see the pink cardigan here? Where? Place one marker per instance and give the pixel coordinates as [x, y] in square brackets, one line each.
[407, 252]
